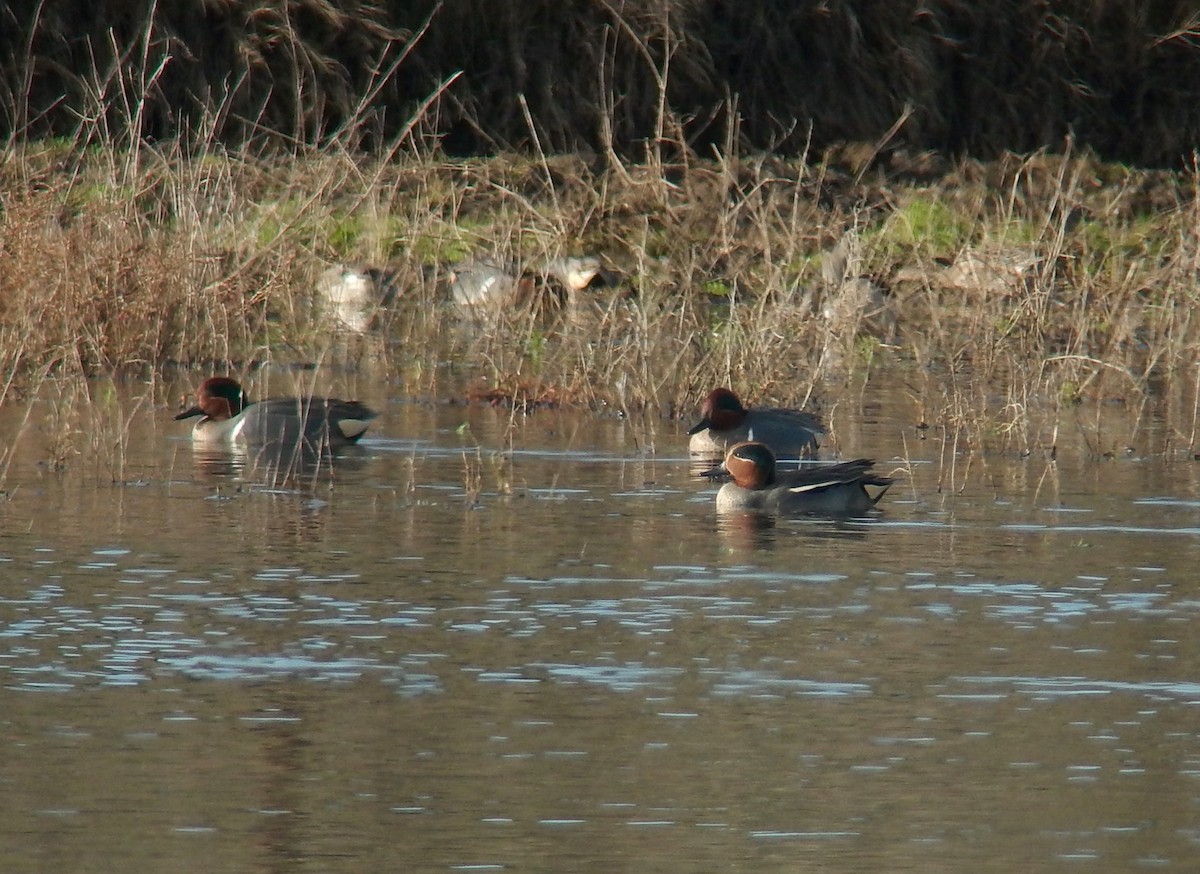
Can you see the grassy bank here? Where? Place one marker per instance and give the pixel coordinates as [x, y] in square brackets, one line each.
[1024, 284]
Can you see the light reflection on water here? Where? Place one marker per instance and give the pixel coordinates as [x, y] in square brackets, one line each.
[446, 655]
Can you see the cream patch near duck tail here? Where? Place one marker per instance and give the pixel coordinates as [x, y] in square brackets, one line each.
[352, 428]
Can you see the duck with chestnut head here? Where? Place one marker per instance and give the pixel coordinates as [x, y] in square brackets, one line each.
[227, 416]
[725, 421]
[850, 488]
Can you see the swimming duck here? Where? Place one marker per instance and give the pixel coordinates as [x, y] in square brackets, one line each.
[831, 490]
[725, 422]
[227, 416]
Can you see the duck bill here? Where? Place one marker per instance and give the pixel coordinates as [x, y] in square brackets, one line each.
[718, 472]
[187, 414]
[700, 426]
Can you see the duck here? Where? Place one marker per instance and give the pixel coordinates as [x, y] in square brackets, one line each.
[725, 422]
[483, 282]
[831, 490]
[577, 272]
[355, 297]
[227, 416]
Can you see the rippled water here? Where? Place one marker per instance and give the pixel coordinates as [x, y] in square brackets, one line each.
[494, 643]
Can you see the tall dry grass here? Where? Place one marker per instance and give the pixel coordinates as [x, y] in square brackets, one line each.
[1008, 290]
[1022, 284]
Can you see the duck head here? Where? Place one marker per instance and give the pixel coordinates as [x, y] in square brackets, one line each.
[218, 398]
[720, 411]
[751, 464]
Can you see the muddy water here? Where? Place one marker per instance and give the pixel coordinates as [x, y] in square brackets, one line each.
[486, 643]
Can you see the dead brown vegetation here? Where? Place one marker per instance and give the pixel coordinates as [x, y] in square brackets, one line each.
[1006, 289]
[780, 189]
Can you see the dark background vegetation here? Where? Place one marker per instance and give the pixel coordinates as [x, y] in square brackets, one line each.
[979, 78]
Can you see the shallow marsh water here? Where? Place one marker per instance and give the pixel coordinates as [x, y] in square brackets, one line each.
[497, 643]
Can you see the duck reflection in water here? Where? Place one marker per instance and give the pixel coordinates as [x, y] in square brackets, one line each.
[746, 532]
[227, 462]
[751, 531]
[273, 464]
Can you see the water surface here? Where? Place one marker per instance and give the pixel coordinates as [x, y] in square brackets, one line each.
[490, 642]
